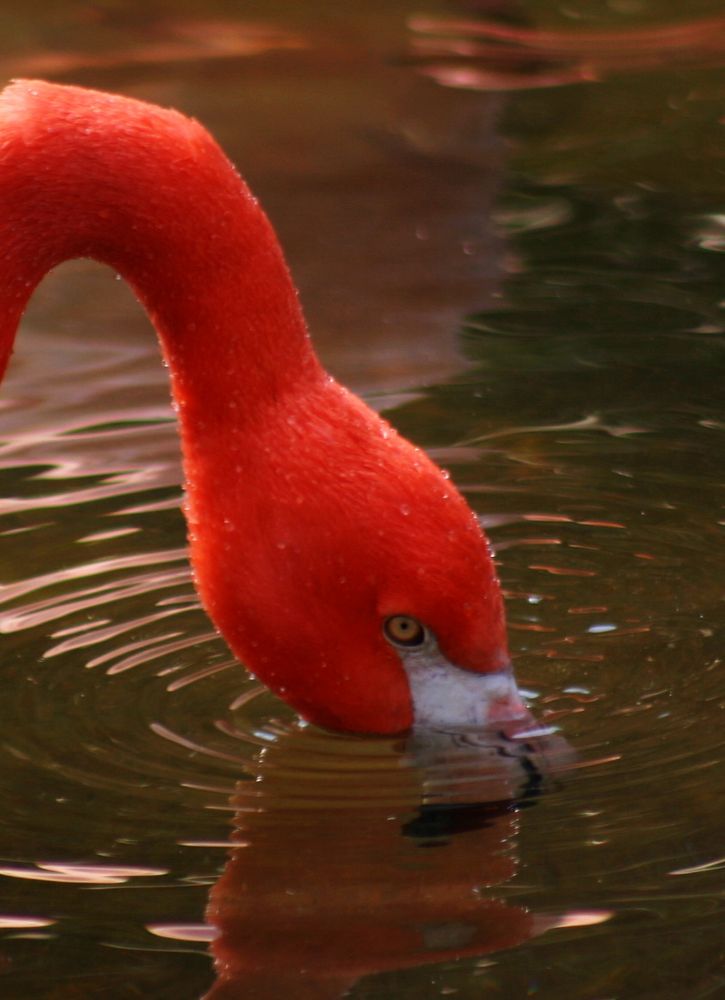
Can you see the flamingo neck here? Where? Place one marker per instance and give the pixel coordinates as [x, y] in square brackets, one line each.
[148, 192]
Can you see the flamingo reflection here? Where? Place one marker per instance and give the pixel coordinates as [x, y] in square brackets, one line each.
[376, 858]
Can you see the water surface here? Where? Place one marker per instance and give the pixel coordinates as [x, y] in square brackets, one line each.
[518, 255]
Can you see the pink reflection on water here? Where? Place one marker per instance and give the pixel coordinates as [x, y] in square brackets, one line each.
[53, 608]
[183, 932]
[489, 56]
[79, 873]
[9, 922]
[169, 41]
[562, 570]
[582, 918]
[146, 655]
[95, 632]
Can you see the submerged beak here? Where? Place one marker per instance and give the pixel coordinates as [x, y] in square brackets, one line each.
[444, 695]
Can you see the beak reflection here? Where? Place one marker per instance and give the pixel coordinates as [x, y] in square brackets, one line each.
[352, 857]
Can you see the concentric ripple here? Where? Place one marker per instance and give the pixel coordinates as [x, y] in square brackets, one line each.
[131, 735]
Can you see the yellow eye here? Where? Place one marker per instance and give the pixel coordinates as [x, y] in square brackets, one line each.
[402, 630]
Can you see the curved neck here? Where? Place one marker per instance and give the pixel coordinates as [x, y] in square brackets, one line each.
[147, 191]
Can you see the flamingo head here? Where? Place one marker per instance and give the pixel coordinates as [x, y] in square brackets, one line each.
[351, 577]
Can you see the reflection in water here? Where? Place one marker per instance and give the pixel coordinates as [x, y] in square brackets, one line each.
[487, 55]
[359, 857]
[164, 42]
[591, 428]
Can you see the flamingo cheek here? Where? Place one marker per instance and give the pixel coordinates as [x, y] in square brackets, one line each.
[357, 698]
[372, 693]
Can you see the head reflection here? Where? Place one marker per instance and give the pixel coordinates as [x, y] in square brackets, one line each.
[354, 857]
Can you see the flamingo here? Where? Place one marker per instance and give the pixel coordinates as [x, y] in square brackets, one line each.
[341, 565]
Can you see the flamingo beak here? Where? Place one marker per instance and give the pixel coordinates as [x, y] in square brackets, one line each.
[444, 695]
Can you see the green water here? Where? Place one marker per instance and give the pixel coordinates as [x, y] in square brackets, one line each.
[529, 280]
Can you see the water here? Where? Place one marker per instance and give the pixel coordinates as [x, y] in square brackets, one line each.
[528, 279]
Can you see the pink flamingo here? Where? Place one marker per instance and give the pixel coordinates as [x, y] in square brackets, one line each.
[339, 563]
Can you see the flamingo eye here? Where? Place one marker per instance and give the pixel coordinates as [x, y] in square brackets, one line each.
[402, 630]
